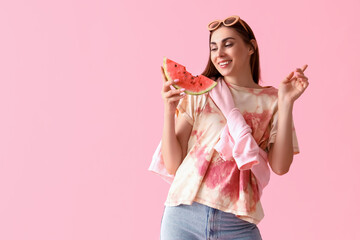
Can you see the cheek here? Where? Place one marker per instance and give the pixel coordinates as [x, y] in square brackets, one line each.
[235, 51]
[241, 52]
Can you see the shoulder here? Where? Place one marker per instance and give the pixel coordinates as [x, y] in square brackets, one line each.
[270, 90]
[267, 92]
[267, 97]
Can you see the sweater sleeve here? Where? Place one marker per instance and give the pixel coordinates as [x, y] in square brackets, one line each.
[236, 141]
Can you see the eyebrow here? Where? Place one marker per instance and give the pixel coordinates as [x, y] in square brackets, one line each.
[225, 39]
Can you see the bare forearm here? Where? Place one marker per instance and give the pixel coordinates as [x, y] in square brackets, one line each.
[281, 155]
[171, 148]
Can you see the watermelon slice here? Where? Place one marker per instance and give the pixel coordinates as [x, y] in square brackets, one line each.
[194, 85]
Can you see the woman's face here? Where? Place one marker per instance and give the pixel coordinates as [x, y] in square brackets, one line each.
[229, 53]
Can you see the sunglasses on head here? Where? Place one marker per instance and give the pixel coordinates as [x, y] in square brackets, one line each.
[227, 22]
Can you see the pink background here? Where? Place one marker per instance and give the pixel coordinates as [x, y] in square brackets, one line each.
[82, 114]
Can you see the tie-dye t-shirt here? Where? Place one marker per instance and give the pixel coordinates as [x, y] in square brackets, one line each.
[206, 178]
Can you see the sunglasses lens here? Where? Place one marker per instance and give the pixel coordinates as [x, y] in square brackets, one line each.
[230, 20]
[214, 25]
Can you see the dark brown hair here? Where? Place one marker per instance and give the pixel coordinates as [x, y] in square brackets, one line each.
[210, 70]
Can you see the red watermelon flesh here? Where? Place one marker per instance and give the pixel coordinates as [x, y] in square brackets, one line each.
[194, 85]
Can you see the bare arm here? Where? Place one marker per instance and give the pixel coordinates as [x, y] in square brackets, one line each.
[175, 136]
[281, 152]
[175, 141]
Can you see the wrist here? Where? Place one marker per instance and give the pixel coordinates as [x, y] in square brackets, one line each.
[169, 112]
[285, 104]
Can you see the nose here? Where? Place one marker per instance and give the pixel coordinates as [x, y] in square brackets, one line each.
[220, 52]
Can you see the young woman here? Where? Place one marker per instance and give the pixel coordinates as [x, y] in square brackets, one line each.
[210, 197]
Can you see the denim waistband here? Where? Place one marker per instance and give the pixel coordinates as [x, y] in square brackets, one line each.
[198, 221]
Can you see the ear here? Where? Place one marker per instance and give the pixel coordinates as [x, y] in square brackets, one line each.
[253, 47]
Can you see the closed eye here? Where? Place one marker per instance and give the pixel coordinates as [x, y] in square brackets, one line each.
[226, 45]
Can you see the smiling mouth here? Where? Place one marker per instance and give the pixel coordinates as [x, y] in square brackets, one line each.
[224, 64]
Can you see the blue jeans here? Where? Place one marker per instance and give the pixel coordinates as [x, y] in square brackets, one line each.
[200, 222]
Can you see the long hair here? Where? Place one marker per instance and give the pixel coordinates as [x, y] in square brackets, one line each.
[210, 70]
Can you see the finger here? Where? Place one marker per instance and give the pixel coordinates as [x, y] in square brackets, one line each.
[299, 73]
[304, 67]
[303, 84]
[173, 92]
[176, 98]
[289, 78]
[306, 84]
[301, 76]
[171, 82]
[301, 70]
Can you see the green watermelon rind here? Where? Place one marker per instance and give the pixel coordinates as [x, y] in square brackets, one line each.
[186, 91]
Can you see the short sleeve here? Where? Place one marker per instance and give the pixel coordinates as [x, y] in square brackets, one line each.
[191, 106]
[273, 131]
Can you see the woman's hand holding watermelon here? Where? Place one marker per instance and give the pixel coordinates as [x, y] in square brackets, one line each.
[170, 96]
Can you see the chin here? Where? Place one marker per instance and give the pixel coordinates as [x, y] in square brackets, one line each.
[222, 72]
[225, 73]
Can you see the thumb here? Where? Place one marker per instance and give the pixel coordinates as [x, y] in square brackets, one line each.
[288, 78]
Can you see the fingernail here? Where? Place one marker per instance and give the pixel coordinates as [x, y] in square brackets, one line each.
[182, 93]
[183, 89]
[176, 80]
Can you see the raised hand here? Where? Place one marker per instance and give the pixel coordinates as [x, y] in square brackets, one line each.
[293, 85]
[170, 96]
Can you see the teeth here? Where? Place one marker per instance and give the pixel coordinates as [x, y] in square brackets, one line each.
[224, 63]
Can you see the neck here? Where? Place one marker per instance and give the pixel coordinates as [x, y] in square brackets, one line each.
[242, 78]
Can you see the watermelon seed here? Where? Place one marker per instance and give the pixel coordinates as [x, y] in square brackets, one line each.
[175, 65]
